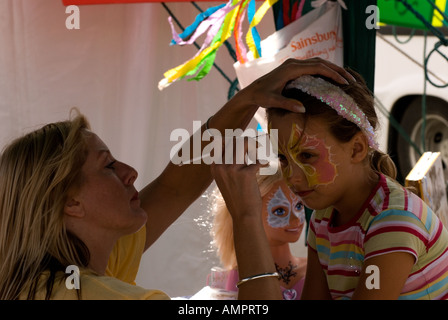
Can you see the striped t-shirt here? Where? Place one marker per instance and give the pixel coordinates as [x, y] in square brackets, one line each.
[392, 219]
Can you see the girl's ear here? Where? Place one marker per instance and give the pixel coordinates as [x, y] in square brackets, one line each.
[73, 208]
[360, 147]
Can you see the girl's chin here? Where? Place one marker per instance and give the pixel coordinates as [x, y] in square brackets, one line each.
[315, 205]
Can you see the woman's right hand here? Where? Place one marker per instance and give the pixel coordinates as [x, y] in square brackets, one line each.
[240, 190]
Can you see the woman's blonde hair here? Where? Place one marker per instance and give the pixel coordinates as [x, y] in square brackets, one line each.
[222, 227]
[37, 173]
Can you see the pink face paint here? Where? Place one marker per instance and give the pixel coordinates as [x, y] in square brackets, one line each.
[310, 154]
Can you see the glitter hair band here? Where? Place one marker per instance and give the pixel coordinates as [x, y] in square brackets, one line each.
[338, 100]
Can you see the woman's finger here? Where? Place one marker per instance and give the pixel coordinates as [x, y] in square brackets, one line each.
[317, 66]
[266, 90]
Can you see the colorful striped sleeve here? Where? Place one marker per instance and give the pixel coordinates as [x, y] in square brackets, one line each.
[396, 231]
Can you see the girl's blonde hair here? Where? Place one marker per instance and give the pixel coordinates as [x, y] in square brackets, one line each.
[342, 129]
[37, 174]
[222, 227]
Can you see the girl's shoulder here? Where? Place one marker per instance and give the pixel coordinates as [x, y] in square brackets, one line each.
[402, 209]
[393, 196]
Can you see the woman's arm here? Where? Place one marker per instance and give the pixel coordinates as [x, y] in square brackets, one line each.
[240, 190]
[169, 195]
[316, 286]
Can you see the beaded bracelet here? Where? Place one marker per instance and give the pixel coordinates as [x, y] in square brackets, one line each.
[258, 276]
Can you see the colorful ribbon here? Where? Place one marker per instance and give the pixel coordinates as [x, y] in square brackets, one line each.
[219, 23]
[177, 38]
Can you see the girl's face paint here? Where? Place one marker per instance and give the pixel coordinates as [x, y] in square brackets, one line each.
[310, 154]
[280, 207]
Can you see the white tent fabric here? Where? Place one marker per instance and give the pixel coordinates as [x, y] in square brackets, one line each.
[109, 69]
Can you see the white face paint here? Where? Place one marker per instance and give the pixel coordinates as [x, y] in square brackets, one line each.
[298, 209]
[280, 208]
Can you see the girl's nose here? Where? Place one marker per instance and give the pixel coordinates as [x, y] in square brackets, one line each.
[296, 175]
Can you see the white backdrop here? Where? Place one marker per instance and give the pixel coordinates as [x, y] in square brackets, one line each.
[109, 69]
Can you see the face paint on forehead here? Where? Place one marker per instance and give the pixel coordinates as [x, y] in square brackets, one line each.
[278, 204]
[322, 171]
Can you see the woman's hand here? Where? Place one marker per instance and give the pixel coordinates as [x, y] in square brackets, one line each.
[266, 90]
[240, 190]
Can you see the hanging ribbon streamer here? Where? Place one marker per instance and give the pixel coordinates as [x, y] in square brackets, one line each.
[240, 48]
[178, 38]
[252, 36]
[218, 23]
[224, 23]
[212, 24]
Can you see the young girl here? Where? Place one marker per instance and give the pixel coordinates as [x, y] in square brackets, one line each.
[283, 218]
[369, 238]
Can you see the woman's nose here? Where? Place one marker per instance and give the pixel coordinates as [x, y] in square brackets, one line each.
[128, 174]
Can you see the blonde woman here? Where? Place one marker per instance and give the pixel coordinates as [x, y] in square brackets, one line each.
[283, 218]
[67, 203]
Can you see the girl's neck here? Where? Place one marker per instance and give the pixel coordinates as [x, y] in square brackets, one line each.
[356, 196]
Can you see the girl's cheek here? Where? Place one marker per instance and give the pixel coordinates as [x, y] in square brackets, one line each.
[326, 168]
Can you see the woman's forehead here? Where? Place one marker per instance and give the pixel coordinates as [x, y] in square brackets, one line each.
[94, 142]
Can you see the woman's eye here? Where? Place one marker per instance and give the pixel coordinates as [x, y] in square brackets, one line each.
[299, 206]
[279, 212]
[111, 165]
[282, 159]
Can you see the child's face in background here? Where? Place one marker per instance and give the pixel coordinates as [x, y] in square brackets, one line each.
[314, 163]
[283, 214]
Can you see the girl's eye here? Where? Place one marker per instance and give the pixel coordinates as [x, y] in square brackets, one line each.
[305, 156]
[279, 212]
[299, 206]
[111, 165]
